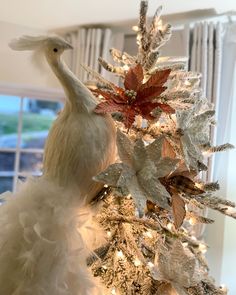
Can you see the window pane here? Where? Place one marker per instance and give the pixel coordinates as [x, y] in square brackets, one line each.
[9, 114]
[31, 162]
[37, 118]
[6, 184]
[7, 161]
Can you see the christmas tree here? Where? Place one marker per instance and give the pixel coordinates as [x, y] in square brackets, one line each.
[155, 192]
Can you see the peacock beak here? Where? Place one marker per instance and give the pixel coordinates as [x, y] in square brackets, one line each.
[68, 46]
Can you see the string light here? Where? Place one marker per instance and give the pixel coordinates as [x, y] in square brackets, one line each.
[126, 67]
[150, 265]
[170, 226]
[120, 254]
[206, 153]
[198, 185]
[187, 83]
[192, 221]
[108, 234]
[148, 234]
[203, 248]
[185, 244]
[135, 28]
[137, 262]
[113, 291]
[160, 24]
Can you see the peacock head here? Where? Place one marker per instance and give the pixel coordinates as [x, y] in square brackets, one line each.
[51, 46]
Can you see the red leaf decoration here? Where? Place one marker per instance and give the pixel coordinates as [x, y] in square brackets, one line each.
[148, 94]
[147, 107]
[134, 78]
[129, 117]
[179, 212]
[167, 150]
[185, 185]
[108, 95]
[129, 103]
[166, 108]
[157, 79]
[108, 107]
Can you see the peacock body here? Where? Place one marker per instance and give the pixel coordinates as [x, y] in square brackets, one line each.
[46, 226]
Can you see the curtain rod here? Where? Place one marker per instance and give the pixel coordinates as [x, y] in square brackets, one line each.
[197, 16]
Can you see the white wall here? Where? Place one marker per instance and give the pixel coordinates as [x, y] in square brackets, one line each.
[16, 67]
[50, 14]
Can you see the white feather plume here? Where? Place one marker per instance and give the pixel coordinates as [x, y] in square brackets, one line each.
[44, 242]
[27, 42]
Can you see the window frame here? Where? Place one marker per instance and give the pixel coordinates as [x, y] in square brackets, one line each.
[26, 92]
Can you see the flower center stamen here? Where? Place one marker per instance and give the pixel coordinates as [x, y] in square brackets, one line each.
[131, 96]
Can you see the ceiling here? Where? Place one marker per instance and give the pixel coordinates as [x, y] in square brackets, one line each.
[53, 14]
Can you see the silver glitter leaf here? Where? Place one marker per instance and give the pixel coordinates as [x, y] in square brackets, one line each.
[111, 175]
[177, 266]
[154, 149]
[140, 171]
[195, 125]
[125, 148]
[165, 166]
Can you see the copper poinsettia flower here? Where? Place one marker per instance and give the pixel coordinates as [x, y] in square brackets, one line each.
[136, 98]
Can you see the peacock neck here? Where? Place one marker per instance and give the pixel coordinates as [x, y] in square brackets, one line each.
[79, 97]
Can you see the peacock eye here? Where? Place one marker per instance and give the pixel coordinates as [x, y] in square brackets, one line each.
[55, 49]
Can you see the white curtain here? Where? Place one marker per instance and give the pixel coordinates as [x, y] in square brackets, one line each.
[213, 53]
[89, 44]
[206, 57]
[205, 45]
[225, 163]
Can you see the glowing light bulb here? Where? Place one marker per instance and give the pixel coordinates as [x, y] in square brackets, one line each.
[206, 153]
[135, 28]
[170, 226]
[160, 24]
[185, 244]
[126, 67]
[120, 254]
[108, 234]
[113, 291]
[150, 264]
[199, 185]
[137, 262]
[203, 248]
[149, 234]
[192, 221]
[187, 83]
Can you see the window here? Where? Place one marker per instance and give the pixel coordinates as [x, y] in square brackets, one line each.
[24, 125]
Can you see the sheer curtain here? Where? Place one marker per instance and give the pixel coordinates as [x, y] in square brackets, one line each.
[89, 44]
[225, 163]
[205, 56]
[213, 53]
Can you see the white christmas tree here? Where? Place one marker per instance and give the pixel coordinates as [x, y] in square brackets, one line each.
[154, 191]
[146, 201]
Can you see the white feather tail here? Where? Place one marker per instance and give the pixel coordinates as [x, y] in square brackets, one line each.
[43, 243]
